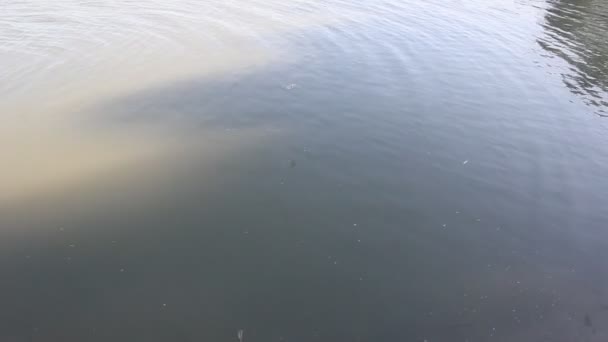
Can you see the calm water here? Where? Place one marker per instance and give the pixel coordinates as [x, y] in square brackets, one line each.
[304, 170]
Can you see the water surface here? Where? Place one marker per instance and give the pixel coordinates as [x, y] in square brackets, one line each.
[304, 170]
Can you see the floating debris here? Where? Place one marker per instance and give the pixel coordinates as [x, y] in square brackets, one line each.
[354, 224]
[291, 86]
[122, 270]
[587, 321]
[465, 162]
[239, 335]
[444, 225]
[72, 245]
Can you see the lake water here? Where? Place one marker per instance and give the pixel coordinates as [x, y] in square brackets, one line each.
[304, 170]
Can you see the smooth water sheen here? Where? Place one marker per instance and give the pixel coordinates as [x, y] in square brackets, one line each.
[303, 170]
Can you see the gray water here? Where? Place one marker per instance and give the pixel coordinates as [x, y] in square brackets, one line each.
[303, 170]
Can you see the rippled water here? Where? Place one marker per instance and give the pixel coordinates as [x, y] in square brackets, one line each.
[303, 170]
[575, 32]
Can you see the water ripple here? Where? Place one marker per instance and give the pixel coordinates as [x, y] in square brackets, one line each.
[576, 33]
